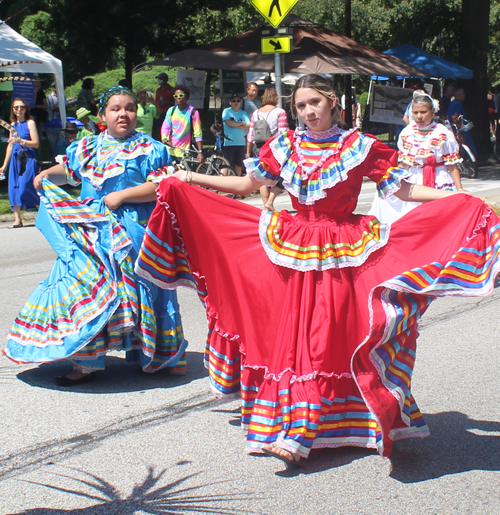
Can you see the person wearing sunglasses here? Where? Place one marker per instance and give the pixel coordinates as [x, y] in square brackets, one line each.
[20, 161]
[182, 125]
[236, 125]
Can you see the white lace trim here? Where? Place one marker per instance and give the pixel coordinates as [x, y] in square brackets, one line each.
[275, 257]
[334, 130]
[397, 186]
[340, 178]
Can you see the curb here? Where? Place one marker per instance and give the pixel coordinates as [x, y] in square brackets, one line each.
[28, 216]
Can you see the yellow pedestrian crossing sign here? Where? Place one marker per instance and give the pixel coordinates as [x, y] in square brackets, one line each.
[277, 45]
[274, 11]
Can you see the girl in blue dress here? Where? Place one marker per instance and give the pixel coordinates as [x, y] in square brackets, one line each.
[92, 301]
[21, 156]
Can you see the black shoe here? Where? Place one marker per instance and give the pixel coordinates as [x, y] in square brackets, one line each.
[66, 381]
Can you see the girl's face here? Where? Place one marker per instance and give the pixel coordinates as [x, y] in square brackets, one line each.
[19, 110]
[120, 116]
[422, 114]
[314, 109]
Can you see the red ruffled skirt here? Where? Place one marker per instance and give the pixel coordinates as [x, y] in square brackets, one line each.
[320, 358]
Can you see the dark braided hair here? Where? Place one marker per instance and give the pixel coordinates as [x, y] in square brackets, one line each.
[115, 90]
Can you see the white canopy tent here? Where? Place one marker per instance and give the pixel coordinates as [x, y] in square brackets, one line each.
[14, 47]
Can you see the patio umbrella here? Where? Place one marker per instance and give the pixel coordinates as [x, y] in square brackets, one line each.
[315, 50]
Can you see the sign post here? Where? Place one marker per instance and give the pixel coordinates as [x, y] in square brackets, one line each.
[275, 11]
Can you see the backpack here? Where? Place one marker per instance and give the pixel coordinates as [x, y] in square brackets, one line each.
[261, 129]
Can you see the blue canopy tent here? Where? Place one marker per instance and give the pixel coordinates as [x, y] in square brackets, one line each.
[435, 66]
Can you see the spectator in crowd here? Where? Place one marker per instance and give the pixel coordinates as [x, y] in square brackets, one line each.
[40, 112]
[53, 103]
[250, 103]
[182, 125]
[91, 123]
[236, 124]
[164, 101]
[445, 100]
[86, 97]
[5, 103]
[455, 110]
[20, 161]
[146, 113]
[70, 133]
[271, 120]
[356, 108]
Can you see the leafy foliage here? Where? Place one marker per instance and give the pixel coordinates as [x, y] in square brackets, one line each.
[209, 25]
[92, 36]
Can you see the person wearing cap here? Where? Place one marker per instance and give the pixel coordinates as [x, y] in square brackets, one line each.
[164, 100]
[236, 125]
[70, 133]
[182, 125]
[146, 113]
[90, 122]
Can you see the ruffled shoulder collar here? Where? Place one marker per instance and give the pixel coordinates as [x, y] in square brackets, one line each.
[349, 149]
[102, 157]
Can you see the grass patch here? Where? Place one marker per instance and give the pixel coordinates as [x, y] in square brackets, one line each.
[4, 203]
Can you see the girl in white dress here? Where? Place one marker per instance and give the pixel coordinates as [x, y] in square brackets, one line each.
[430, 153]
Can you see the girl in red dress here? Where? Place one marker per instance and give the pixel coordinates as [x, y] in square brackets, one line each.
[313, 317]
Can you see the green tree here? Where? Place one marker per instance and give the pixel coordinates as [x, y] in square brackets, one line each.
[38, 29]
[92, 36]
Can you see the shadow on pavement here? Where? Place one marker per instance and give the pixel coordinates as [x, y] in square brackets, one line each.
[152, 496]
[117, 378]
[457, 444]
[487, 171]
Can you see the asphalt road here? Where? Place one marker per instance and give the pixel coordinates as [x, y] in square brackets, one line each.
[131, 443]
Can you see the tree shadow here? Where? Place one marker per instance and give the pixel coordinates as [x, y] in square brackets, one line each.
[118, 377]
[176, 497]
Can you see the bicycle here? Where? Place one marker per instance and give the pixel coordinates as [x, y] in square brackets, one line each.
[468, 167]
[215, 163]
[188, 161]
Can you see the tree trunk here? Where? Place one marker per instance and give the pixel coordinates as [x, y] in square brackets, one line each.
[473, 54]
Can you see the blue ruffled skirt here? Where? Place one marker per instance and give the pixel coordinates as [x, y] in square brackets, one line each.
[92, 300]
